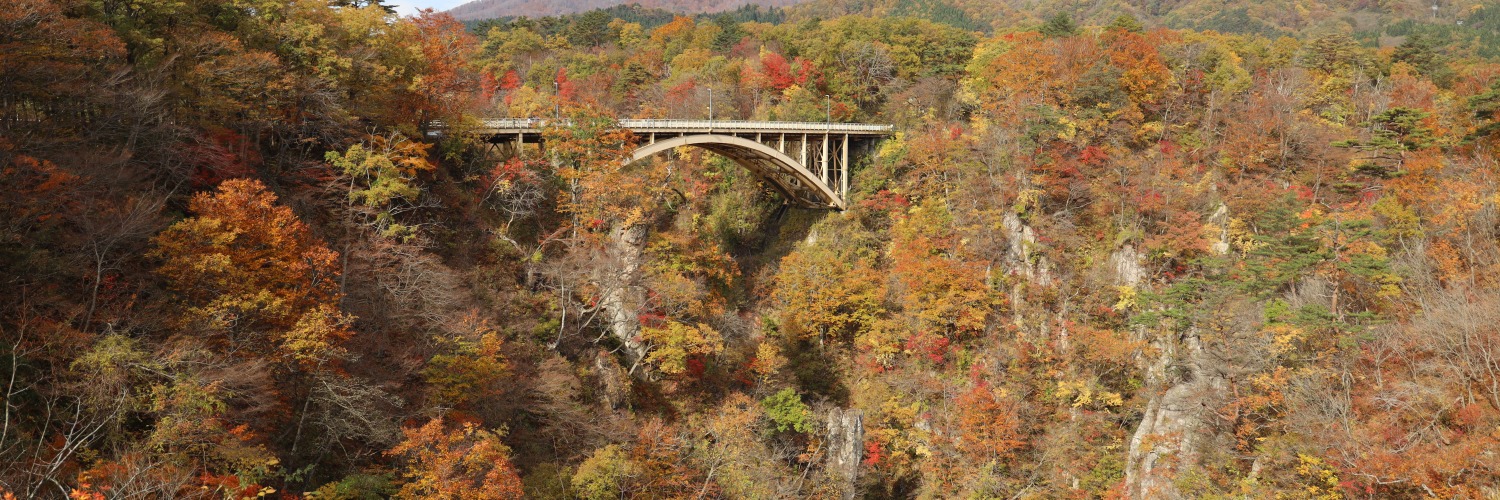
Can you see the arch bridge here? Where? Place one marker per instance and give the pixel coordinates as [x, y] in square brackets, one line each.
[808, 162]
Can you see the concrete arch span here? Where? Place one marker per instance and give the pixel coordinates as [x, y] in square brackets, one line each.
[785, 174]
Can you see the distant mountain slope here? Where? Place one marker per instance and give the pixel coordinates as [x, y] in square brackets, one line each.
[489, 9]
[1367, 20]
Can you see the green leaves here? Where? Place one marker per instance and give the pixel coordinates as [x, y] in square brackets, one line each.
[787, 411]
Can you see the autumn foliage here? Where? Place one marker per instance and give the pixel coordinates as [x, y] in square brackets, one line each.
[1168, 250]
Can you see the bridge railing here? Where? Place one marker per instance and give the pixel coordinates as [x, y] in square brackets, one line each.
[754, 125]
[537, 123]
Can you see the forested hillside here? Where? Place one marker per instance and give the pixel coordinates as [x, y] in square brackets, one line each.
[1104, 255]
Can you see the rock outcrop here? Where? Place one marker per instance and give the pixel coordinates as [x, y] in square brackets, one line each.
[622, 294]
[846, 439]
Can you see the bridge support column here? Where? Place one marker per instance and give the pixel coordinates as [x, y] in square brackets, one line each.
[520, 145]
[781, 143]
[804, 150]
[844, 170]
[825, 159]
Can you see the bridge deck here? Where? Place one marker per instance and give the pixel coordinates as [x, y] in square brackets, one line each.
[534, 125]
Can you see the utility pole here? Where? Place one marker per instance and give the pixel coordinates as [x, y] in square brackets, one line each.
[827, 112]
[556, 99]
[710, 104]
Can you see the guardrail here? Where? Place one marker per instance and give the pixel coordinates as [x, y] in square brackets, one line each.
[536, 123]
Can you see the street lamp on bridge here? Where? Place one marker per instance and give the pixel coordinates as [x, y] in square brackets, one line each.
[828, 110]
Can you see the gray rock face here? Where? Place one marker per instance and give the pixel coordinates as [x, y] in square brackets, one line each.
[1127, 265]
[623, 295]
[1220, 219]
[1022, 238]
[846, 443]
[1185, 385]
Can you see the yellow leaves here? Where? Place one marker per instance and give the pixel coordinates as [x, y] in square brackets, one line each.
[599, 476]
[674, 342]
[883, 340]
[1069, 129]
[1322, 480]
[383, 175]
[1228, 74]
[527, 102]
[828, 294]
[769, 361]
[633, 215]
[1285, 338]
[315, 338]
[1027, 199]
[473, 367]
[1401, 221]
[1129, 298]
[1082, 394]
[1149, 132]
[893, 148]
[1241, 236]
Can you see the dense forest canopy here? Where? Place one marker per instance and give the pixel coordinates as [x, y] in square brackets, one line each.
[1140, 250]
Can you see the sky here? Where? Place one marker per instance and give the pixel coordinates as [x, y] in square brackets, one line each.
[410, 7]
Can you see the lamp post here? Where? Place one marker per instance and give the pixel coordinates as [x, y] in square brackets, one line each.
[710, 104]
[556, 99]
[827, 111]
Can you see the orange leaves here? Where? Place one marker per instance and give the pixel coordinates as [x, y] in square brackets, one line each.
[241, 241]
[988, 426]
[245, 264]
[941, 291]
[50, 55]
[462, 463]
[1018, 76]
[33, 192]
[591, 156]
[776, 73]
[1182, 237]
[448, 80]
[1145, 75]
